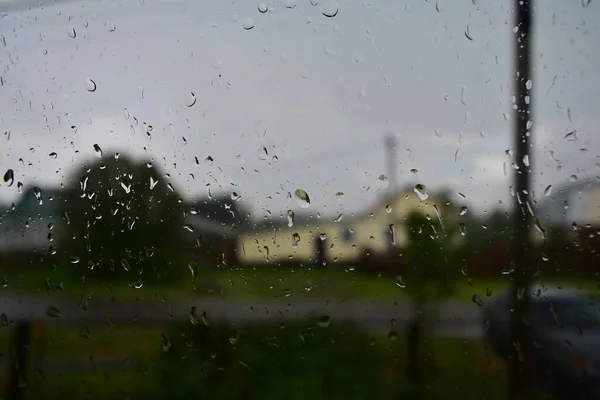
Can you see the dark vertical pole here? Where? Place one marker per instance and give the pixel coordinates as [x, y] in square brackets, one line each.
[20, 354]
[320, 258]
[520, 371]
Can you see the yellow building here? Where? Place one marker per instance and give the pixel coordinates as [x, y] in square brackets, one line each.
[341, 239]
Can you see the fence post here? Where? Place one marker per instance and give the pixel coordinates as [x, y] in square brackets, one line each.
[17, 384]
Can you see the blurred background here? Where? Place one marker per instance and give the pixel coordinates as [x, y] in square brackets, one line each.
[295, 198]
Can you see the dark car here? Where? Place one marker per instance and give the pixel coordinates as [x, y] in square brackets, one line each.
[566, 328]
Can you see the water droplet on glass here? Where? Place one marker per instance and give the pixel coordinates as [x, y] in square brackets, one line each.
[573, 178]
[339, 196]
[290, 218]
[295, 240]
[324, 321]
[388, 208]
[193, 317]
[462, 229]
[138, 284]
[392, 335]
[290, 4]
[90, 85]
[20, 187]
[399, 282]
[338, 218]
[548, 190]
[302, 199]
[262, 153]
[9, 177]
[384, 181]
[570, 136]
[126, 186]
[330, 9]
[98, 151]
[84, 332]
[53, 312]
[529, 84]
[467, 33]
[166, 343]
[262, 8]
[191, 100]
[3, 320]
[188, 227]
[421, 191]
[37, 192]
[193, 266]
[235, 196]
[463, 210]
[74, 260]
[153, 182]
[392, 230]
[234, 336]
[314, 2]
[248, 24]
[71, 33]
[477, 300]
[488, 292]
[414, 170]
[208, 160]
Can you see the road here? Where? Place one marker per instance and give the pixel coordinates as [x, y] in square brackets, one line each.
[453, 317]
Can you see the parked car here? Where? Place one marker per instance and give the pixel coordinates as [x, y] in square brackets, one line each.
[565, 325]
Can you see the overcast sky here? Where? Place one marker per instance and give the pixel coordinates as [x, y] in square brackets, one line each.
[318, 92]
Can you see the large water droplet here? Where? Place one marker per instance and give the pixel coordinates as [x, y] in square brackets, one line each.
[477, 300]
[462, 229]
[463, 210]
[248, 24]
[548, 190]
[421, 191]
[262, 153]
[339, 196]
[384, 181]
[208, 160]
[295, 240]
[71, 33]
[330, 9]
[153, 182]
[53, 312]
[9, 177]
[324, 321]
[302, 199]
[191, 99]
[262, 8]
[290, 218]
[98, 151]
[90, 85]
[235, 196]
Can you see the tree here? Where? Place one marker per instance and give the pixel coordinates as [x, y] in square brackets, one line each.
[124, 221]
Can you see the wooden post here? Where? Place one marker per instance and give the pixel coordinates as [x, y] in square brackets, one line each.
[17, 384]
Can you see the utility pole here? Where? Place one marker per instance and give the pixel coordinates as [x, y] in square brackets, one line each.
[521, 372]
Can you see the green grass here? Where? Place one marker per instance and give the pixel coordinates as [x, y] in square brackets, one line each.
[253, 283]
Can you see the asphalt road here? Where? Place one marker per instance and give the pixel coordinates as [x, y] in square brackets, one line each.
[452, 317]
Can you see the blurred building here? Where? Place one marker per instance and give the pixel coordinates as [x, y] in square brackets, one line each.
[574, 203]
[345, 238]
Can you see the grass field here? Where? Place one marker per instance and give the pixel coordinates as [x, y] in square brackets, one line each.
[453, 368]
[301, 282]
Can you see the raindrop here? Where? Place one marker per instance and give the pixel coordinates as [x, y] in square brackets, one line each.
[571, 136]
[463, 96]
[262, 8]
[235, 196]
[468, 34]
[193, 266]
[392, 230]
[138, 284]
[488, 292]
[338, 218]
[324, 321]
[98, 151]
[477, 300]
[330, 9]
[248, 24]
[153, 182]
[462, 229]
[290, 4]
[84, 332]
[234, 337]
[37, 192]
[295, 240]
[529, 84]
[323, 236]
[290, 218]
[166, 343]
[314, 2]
[421, 191]
[339, 196]
[392, 335]
[9, 177]
[71, 32]
[399, 282]
[262, 153]
[53, 155]
[20, 187]
[191, 100]
[463, 210]
[573, 178]
[74, 260]
[188, 227]
[126, 187]
[90, 85]
[548, 190]
[208, 160]
[384, 181]
[194, 317]
[388, 208]
[414, 170]
[302, 199]
[53, 312]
